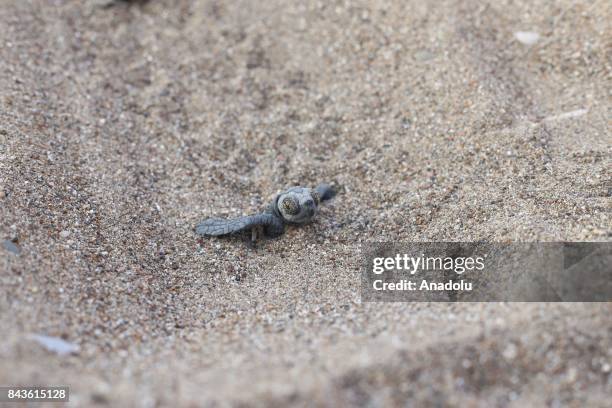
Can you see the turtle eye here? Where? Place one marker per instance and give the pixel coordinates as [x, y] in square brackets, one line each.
[316, 197]
[290, 206]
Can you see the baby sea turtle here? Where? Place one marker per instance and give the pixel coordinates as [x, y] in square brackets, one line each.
[297, 205]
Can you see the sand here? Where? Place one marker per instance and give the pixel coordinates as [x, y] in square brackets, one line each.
[122, 127]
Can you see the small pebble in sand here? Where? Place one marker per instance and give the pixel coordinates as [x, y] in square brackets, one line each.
[510, 352]
[527, 37]
[65, 234]
[55, 344]
[11, 246]
[567, 115]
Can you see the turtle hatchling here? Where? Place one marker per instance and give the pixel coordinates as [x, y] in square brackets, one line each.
[297, 205]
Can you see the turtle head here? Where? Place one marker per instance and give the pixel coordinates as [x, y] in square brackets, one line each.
[298, 205]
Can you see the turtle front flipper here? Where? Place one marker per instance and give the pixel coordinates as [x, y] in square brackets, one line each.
[326, 192]
[273, 226]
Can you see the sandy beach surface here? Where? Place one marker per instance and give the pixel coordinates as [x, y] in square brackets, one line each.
[121, 127]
